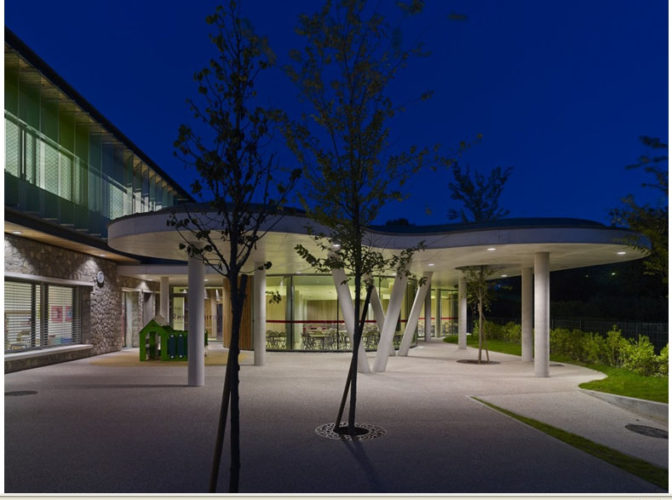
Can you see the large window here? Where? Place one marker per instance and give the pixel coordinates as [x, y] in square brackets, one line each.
[39, 315]
[303, 313]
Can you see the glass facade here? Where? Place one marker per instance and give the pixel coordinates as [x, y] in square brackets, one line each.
[63, 166]
[303, 313]
[443, 314]
[39, 315]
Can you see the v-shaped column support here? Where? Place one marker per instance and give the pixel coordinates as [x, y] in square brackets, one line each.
[413, 317]
[390, 324]
[348, 310]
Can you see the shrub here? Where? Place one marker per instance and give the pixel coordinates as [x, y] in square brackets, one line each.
[640, 357]
[663, 361]
[594, 348]
[511, 332]
[616, 347]
[568, 343]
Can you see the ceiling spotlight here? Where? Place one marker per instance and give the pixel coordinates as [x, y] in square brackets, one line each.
[16, 232]
[431, 264]
[491, 249]
[101, 255]
[621, 253]
[505, 275]
[206, 279]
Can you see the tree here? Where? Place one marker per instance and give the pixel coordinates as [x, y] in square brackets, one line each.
[479, 296]
[236, 172]
[647, 219]
[480, 197]
[350, 58]
[478, 194]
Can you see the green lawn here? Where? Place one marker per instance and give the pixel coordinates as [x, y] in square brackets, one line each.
[645, 470]
[619, 381]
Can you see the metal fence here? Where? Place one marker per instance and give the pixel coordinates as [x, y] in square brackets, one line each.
[658, 333]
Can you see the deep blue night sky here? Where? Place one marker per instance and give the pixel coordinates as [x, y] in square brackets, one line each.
[559, 90]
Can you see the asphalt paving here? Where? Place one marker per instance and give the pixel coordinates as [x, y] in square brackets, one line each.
[96, 425]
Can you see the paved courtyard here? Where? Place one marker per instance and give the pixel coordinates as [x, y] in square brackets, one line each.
[107, 425]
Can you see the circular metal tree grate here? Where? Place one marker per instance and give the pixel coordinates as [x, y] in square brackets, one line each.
[363, 431]
[20, 393]
[645, 430]
[475, 362]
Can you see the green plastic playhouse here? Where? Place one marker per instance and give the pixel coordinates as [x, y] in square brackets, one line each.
[164, 343]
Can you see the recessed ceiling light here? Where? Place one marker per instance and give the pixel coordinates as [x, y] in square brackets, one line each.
[101, 255]
[621, 253]
[505, 275]
[206, 279]
[491, 249]
[431, 264]
[16, 232]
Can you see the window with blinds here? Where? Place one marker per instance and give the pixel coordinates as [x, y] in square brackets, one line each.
[40, 315]
[21, 321]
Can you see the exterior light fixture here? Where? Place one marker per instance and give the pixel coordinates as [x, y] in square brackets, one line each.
[491, 249]
[101, 255]
[505, 275]
[336, 246]
[16, 232]
[431, 264]
[621, 253]
[206, 279]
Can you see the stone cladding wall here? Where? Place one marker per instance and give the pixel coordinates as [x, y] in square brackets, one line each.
[100, 305]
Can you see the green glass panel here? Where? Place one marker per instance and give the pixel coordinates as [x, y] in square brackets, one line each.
[12, 147]
[12, 90]
[29, 105]
[49, 121]
[66, 131]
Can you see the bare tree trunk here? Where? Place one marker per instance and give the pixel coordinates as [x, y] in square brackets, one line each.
[485, 341]
[221, 428]
[230, 394]
[238, 299]
[353, 364]
[480, 327]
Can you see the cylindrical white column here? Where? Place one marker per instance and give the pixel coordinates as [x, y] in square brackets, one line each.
[526, 292]
[462, 313]
[164, 305]
[541, 314]
[428, 314]
[196, 298]
[259, 307]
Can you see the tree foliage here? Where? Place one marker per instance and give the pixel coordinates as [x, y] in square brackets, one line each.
[343, 73]
[478, 194]
[226, 148]
[647, 219]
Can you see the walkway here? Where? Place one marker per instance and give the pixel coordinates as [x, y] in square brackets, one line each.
[108, 427]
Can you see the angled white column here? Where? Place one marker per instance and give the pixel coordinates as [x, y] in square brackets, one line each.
[259, 308]
[348, 311]
[414, 315]
[164, 293]
[462, 313]
[385, 343]
[541, 314]
[428, 314]
[195, 342]
[526, 292]
[378, 311]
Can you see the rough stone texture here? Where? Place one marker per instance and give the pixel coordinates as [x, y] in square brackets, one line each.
[101, 318]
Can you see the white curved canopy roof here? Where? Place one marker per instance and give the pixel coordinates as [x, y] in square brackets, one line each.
[509, 245]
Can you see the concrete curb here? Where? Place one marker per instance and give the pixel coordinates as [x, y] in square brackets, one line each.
[650, 409]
